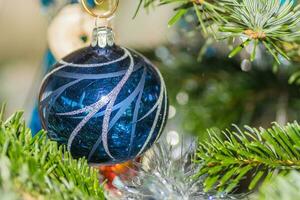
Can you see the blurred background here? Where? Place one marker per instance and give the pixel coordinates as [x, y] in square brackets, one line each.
[206, 89]
[24, 41]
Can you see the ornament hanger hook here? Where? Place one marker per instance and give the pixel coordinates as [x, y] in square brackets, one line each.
[98, 3]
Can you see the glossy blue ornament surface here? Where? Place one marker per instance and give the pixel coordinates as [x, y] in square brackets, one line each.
[106, 104]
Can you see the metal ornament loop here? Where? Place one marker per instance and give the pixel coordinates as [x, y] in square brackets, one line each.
[98, 3]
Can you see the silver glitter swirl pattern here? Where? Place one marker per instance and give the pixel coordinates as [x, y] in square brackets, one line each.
[160, 100]
[109, 101]
[60, 90]
[66, 64]
[111, 104]
[158, 105]
[138, 90]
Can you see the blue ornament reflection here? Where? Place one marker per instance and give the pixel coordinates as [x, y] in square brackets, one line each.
[106, 104]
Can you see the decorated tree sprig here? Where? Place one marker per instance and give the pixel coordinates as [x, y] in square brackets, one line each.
[36, 168]
[272, 23]
[228, 158]
[261, 21]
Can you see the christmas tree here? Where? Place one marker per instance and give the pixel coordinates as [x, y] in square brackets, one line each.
[248, 55]
[235, 64]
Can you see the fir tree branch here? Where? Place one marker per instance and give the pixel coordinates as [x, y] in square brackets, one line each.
[37, 168]
[269, 22]
[257, 153]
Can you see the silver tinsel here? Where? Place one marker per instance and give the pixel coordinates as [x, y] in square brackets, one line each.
[163, 175]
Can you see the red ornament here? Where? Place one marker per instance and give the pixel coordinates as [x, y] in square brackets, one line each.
[123, 171]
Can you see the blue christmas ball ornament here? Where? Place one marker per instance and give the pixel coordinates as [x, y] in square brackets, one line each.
[104, 102]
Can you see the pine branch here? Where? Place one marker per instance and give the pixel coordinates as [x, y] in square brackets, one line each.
[37, 168]
[269, 22]
[257, 153]
[206, 12]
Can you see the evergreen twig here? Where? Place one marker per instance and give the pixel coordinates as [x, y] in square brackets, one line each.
[257, 153]
[269, 22]
[36, 168]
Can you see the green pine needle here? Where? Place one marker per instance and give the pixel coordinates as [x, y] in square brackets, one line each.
[254, 153]
[36, 168]
[268, 22]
